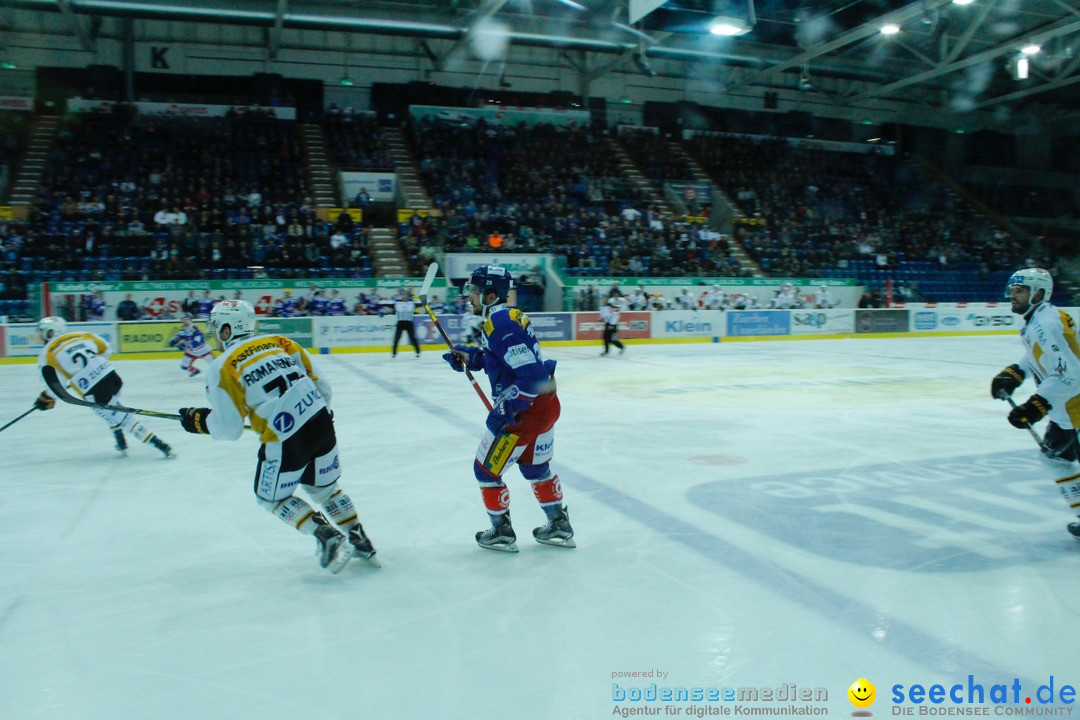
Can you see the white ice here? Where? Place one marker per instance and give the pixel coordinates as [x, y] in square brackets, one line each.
[747, 514]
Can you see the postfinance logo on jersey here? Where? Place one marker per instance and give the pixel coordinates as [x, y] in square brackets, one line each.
[974, 697]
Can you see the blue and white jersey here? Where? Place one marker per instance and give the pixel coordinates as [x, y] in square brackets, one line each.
[335, 306]
[317, 306]
[95, 308]
[191, 341]
[512, 355]
[286, 307]
[203, 306]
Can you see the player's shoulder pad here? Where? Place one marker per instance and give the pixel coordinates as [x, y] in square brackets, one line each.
[1065, 318]
[519, 317]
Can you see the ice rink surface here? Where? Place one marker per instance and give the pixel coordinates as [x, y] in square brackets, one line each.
[747, 514]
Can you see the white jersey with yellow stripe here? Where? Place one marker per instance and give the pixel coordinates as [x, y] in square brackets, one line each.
[80, 359]
[270, 380]
[1053, 361]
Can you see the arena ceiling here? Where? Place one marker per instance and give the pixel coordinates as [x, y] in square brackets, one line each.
[948, 55]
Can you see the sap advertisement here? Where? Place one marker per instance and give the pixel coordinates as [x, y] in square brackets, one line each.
[22, 340]
[822, 322]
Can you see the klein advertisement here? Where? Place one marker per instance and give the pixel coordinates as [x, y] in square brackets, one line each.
[688, 324]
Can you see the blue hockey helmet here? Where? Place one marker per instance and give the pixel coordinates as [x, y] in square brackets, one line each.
[490, 278]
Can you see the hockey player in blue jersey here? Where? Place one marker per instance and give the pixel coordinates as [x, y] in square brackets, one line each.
[190, 341]
[335, 306]
[204, 305]
[286, 305]
[316, 304]
[521, 428]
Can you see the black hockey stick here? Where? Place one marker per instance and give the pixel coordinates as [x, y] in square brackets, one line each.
[1042, 446]
[2, 429]
[433, 268]
[57, 387]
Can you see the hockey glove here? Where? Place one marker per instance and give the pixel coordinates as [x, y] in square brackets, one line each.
[1006, 381]
[194, 420]
[507, 409]
[474, 358]
[1029, 413]
[45, 401]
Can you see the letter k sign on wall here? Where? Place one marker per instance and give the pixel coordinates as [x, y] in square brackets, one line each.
[157, 58]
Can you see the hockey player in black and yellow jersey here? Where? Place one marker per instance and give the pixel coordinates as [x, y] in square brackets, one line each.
[274, 384]
[81, 361]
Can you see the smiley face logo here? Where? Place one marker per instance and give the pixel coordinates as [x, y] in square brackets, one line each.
[862, 693]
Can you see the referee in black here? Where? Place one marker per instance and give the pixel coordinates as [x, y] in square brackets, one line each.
[405, 308]
[609, 313]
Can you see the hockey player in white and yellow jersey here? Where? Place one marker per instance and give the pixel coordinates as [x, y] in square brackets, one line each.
[81, 361]
[1052, 359]
[272, 382]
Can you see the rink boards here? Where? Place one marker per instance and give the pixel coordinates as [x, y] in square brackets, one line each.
[369, 333]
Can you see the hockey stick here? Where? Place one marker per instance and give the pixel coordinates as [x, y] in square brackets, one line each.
[433, 268]
[57, 387]
[1042, 446]
[2, 429]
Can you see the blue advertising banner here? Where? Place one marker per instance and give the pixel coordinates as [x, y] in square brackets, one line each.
[748, 323]
[552, 326]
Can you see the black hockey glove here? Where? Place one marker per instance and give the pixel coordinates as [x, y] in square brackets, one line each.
[1029, 413]
[194, 420]
[1006, 381]
[45, 401]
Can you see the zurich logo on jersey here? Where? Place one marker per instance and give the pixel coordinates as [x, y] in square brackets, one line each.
[283, 422]
[83, 383]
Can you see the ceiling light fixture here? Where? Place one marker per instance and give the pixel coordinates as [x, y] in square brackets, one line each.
[1031, 49]
[729, 26]
[890, 29]
[1022, 67]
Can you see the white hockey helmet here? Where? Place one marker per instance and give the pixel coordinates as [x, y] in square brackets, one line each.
[237, 314]
[1033, 279]
[51, 327]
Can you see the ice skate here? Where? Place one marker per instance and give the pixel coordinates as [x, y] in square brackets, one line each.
[333, 548]
[1074, 529]
[194, 372]
[556, 532]
[499, 537]
[361, 545]
[121, 442]
[163, 446]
